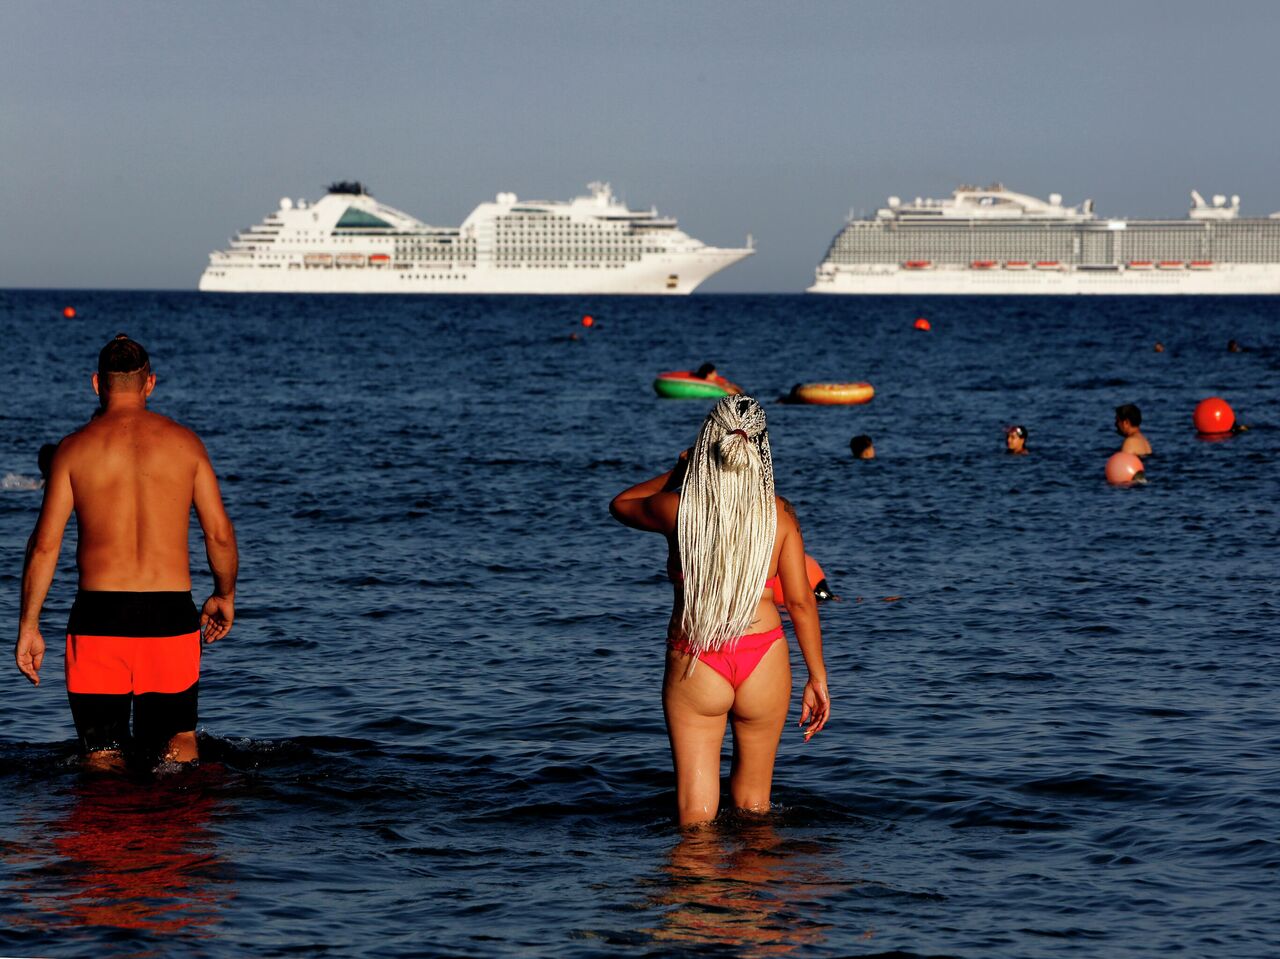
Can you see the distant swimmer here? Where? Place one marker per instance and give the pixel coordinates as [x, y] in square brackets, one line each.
[707, 371]
[1128, 421]
[133, 640]
[1234, 347]
[729, 540]
[1015, 440]
[1159, 347]
[862, 448]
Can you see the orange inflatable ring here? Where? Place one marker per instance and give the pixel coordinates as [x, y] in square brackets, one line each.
[835, 394]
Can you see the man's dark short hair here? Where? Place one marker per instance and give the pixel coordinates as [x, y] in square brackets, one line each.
[705, 370]
[120, 360]
[1130, 413]
[859, 444]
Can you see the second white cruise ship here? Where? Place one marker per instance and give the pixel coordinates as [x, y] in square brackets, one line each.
[348, 242]
[994, 240]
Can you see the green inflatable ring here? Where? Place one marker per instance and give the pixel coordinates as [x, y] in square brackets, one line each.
[686, 386]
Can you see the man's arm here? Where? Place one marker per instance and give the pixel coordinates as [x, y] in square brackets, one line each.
[219, 610]
[39, 564]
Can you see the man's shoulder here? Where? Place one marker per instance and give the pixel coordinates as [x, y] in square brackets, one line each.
[1137, 443]
[172, 430]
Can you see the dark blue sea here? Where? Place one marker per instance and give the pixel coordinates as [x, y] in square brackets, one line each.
[436, 726]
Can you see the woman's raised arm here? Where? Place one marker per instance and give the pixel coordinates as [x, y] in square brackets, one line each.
[637, 505]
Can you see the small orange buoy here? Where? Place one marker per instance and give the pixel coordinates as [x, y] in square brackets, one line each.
[69, 312]
[588, 320]
[923, 324]
[1214, 415]
[816, 578]
[1123, 469]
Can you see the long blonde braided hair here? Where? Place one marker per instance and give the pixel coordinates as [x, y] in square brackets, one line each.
[726, 524]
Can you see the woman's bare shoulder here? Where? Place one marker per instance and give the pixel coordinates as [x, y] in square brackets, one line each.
[787, 518]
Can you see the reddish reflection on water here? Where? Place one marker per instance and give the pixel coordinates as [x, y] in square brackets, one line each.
[745, 887]
[129, 855]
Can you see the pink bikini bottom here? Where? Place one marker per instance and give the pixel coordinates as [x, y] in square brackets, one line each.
[738, 663]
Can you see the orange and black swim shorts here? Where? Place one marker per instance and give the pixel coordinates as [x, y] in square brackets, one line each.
[132, 651]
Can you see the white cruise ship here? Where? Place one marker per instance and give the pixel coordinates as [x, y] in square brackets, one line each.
[348, 242]
[996, 241]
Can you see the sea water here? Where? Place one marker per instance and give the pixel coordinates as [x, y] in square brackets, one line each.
[436, 729]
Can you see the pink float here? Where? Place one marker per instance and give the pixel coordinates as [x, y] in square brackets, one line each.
[1123, 469]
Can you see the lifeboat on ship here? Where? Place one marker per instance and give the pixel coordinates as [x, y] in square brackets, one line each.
[1200, 265]
[917, 265]
[1048, 265]
[1171, 265]
[318, 259]
[833, 394]
[350, 259]
[982, 264]
[1017, 265]
[379, 259]
[1141, 265]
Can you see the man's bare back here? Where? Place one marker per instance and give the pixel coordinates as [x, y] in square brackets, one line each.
[131, 477]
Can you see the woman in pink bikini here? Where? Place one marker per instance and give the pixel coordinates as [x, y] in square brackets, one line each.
[729, 540]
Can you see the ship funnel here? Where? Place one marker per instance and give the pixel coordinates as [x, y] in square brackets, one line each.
[1197, 200]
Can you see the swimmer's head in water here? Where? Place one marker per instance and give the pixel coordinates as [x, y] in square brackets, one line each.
[726, 523]
[1015, 438]
[862, 448]
[123, 364]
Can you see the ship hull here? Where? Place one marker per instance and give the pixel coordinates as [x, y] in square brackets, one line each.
[1227, 278]
[657, 275]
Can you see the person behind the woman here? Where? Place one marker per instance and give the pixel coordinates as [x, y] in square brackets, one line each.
[729, 540]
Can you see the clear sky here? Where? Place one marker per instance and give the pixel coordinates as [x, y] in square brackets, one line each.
[136, 137]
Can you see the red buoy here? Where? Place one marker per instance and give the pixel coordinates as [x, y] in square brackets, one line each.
[588, 320]
[1213, 416]
[923, 324]
[69, 312]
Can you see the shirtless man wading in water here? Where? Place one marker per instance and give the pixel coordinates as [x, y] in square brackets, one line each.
[133, 639]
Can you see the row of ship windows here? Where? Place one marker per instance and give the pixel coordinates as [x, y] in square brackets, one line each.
[561, 266]
[614, 239]
[1151, 250]
[273, 259]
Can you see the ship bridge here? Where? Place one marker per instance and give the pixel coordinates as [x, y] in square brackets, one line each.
[986, 203]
